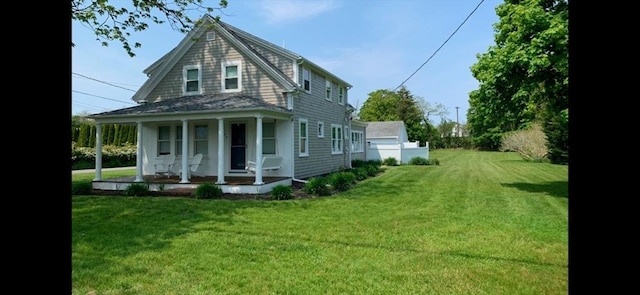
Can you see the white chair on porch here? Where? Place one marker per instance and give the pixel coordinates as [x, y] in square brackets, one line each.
[193, 166]
[165, 167]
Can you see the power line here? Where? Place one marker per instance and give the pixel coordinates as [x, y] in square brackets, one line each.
[445, 42]
[103, 97]
[110, 84]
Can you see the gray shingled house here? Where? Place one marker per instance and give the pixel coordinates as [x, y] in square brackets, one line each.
[237, 101]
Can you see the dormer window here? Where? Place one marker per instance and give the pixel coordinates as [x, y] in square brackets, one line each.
[192, 77]
[232, 76]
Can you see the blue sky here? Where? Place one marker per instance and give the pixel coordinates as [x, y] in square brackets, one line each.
[372, 44]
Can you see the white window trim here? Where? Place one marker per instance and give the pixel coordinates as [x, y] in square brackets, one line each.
[184, 79]
[358, 145]
[274, 137]
[328, 91]
[197, 140]
[307, 71]
[341, 93]
[225, 64]
[306, 147]
[168, 140]
[341, 138]
[321, 129]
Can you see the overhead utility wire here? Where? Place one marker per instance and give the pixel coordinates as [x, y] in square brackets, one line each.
[445, 42]
[128, 102]
[103, 82]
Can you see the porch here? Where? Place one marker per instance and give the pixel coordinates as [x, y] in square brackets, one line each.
[232, 185]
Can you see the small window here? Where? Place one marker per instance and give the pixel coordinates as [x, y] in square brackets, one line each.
[200, 142]
[164, 140]
[341, 95]
[327, 90]
[232, 81]
[306, 77]
[320, 129]
[211, 36]
[303, 140]
[192, 78]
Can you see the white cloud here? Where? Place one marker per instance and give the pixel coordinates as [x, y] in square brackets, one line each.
[283, 11]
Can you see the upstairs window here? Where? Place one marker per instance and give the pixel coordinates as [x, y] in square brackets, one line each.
[320, 129]
[341, 95]
[232, 81]
[327, 89]
[192, 77]
[306, 78]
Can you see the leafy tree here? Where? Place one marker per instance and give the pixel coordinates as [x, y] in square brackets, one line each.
[112, 22]
[524, 76]
[401, 105]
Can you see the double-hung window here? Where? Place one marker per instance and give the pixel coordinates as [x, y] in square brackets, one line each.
[232, 76]
[201, 142]
[269, 138]
[320, 129]
[164, 140]
[336, 139]
[306, 78]
[179, 140]
[192, 79]
[328, 87]
[357, 141]
[341, 95]
[303, 138]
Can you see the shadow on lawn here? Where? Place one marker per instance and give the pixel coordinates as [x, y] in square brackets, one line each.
[558, 189]
[118, 227]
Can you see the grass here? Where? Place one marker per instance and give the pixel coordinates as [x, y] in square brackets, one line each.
[479, 223]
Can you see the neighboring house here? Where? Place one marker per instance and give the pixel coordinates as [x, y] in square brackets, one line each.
[234, 98]
[390, 140]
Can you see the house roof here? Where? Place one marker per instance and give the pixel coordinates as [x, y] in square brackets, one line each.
[241, 40]
[222, 102]
[387, 129]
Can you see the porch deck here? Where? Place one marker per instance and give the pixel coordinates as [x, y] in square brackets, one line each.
[232, 185]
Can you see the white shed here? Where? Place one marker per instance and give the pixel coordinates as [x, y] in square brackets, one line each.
[389, 139]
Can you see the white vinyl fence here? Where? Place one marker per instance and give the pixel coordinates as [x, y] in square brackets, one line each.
[402, 152]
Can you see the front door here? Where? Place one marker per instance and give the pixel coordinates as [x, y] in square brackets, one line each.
[238, 146]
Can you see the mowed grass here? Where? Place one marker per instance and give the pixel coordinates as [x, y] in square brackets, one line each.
[479, 223]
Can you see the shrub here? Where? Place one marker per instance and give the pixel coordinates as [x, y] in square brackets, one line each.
[208, 191]
[360, 173]
[81, 188]
[317, 186]
[137, 190]
[529, 143]
[373, 169]
[358, 163]
[282, 192]
[390, 161]
[342, 181]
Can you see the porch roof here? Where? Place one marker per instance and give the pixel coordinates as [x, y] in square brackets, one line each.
[195, 103]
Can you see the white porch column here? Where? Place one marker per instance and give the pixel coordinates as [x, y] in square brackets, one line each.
[221, 158]
[258, 151]
[185, 152]
[139, 154]
[98, 152]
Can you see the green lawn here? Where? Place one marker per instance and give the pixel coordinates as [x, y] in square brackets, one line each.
[479, 223]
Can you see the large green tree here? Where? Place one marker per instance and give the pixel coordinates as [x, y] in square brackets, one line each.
[524, 76]
[401, 105]
[115, 20]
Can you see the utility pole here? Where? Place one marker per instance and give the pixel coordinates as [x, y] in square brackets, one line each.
[457, 123]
